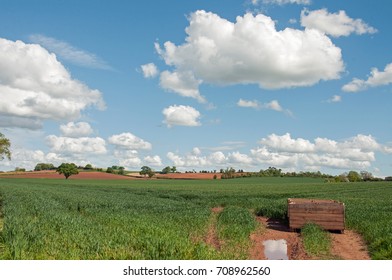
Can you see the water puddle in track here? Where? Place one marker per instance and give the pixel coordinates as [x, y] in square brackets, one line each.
[275, 249]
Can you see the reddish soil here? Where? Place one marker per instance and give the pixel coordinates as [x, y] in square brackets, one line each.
[275, 230]
[189, 176]
[349, 246]
[212, 237]
[53, 175]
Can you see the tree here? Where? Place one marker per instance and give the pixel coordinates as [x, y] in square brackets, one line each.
[44, 166]
[121, 170]
[109, 170]
[4, 147]
[166, 170]
[353, 176]
[174, 169]
[150, 173]
[366, 176]
[67, 169]
[229, 173]
[19, 169]
[88, 166]
[145, 170]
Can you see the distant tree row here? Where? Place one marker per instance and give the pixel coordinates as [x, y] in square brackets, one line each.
[120, 170]
[354, 176]
[44, 166]
[169, 169]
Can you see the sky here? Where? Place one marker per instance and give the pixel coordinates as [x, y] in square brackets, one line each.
[301, 85]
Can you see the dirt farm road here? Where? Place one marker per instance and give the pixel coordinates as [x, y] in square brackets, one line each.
[345, 246]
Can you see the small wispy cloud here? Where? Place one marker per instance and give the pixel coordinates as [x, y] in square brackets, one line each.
[149, 70]
[69, 53]
[335, 99]
[375, 79]
[284, 2]
[226, 146]
[249, 103]
[273, 105]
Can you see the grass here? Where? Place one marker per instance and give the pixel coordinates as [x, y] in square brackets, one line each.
[317, 242]
[234, 225]
[161, 219]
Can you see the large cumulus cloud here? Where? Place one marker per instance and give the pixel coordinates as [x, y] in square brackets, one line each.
[35, 86]
[249, 51]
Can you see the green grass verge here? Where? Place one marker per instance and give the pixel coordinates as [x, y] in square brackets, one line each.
[234, 225]
[317, 242]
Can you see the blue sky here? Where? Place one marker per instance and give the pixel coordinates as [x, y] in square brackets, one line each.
[295, 84]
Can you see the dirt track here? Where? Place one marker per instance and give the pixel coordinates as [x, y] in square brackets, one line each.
[345, 246]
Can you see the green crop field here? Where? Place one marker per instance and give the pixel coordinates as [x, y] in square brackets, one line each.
[169, 219]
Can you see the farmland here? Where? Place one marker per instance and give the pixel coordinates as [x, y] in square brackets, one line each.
[169, 219]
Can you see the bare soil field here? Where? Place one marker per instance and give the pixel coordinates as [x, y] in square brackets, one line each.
[108, 176]
[193, 176]
[91, 175]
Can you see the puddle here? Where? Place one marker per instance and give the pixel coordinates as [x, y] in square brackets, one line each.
[275, 249]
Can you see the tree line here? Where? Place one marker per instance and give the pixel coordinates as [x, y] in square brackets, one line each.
[69, 169]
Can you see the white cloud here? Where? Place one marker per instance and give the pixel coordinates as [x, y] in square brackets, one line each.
[35, 87]
[273, 105]
[176, 159]
[227, 146]
[76, 130]
[69, 53]
[217, 158]
[76, 146]
[196, 151]
[212, 160]
[149, 70]
[334, 24]
[335, 99]
[284, 151]
[128, 141]
[20, 122]
[249, 51]
[238, 158]
[153, 160]
[293, 21]
[126, 151]
[285, 143]
[266, 157]
[24, 158]
[128, 158]
[355, 153]
[183, 83]
[248, 103]
[283, 2]
[189, 160]
[376, 78]
[181, 116]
